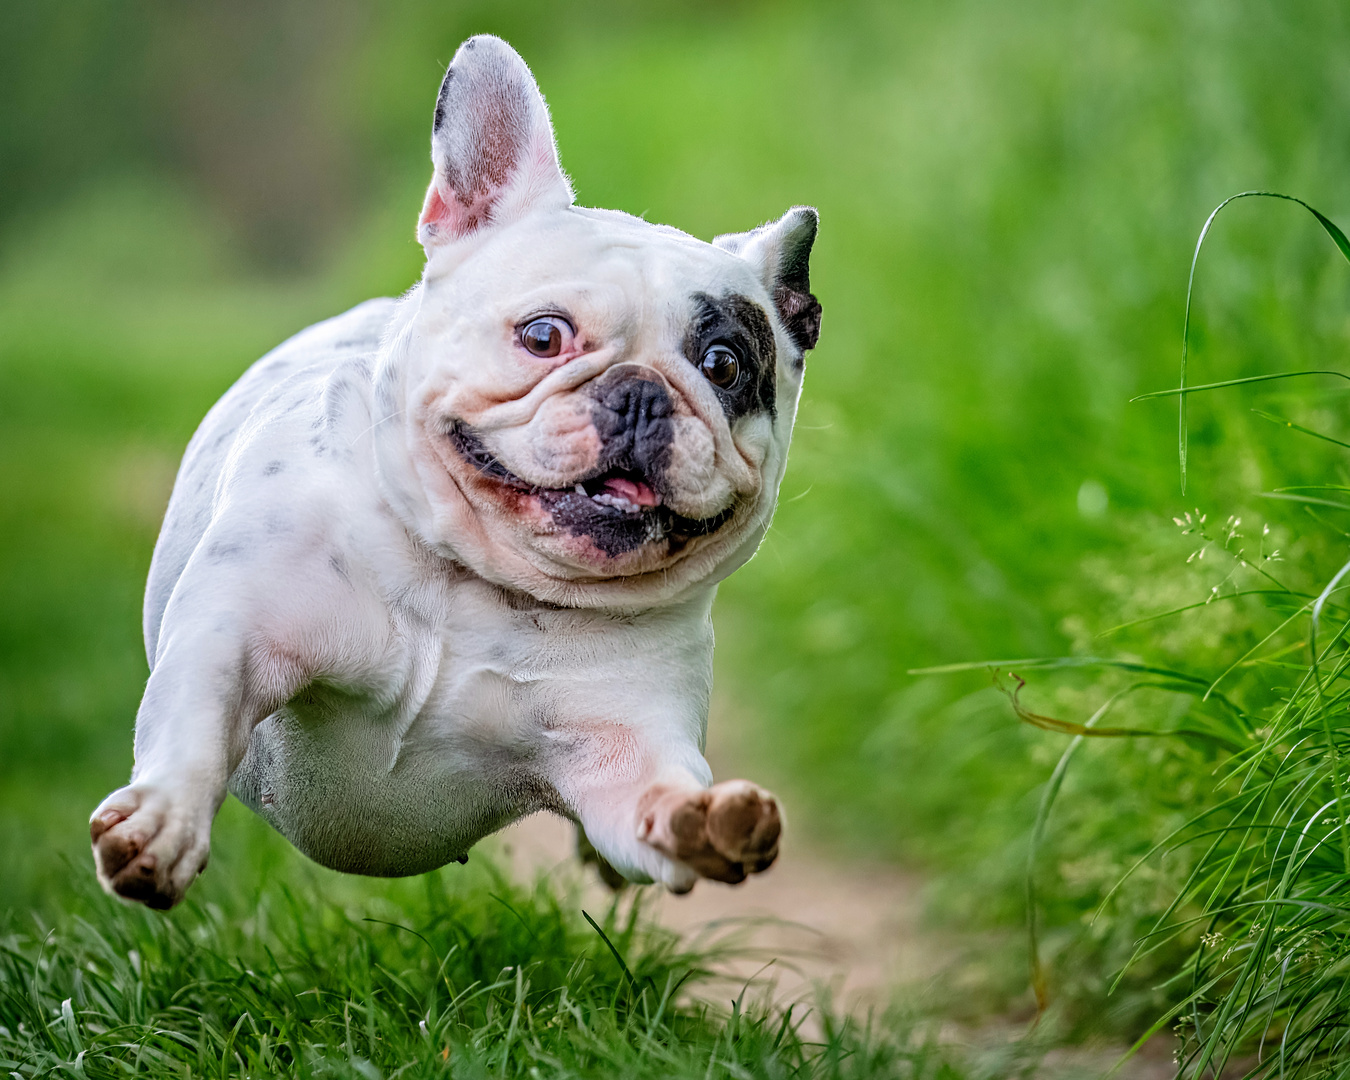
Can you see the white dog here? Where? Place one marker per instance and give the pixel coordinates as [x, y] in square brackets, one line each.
[441, 562]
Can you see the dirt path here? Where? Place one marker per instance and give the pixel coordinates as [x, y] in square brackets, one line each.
[855, 930]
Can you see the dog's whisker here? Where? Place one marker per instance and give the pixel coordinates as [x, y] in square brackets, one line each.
[362, 434]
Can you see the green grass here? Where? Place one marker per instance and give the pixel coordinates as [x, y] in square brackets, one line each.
[1009, 197]
[1246, 941]
[458, 973]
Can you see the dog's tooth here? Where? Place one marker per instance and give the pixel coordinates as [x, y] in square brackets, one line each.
[581, 489]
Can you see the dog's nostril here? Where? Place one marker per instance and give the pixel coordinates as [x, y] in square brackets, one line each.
[655, 402]
[637, 412]
[638, 399]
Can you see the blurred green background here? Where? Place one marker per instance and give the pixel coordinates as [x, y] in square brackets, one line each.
[1009, 197]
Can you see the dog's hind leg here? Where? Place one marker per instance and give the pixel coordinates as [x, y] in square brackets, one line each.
[588, 856]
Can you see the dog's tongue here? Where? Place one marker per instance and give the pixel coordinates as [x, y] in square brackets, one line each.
[635, 491]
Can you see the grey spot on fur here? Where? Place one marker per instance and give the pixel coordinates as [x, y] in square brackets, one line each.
[224, 551]
[339, 565]
[273, 467]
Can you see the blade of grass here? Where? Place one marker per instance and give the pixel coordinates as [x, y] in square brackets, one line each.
[1308, 499]
[1328, 226]
[1039, 984]
[1322, 709]
[613, 951]
[1183, 391]
[1298, 427]
[1191, 607]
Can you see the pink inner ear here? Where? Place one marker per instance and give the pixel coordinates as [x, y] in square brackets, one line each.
[456, 217]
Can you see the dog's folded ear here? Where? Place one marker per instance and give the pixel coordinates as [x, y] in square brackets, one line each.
[781, 253]
[491, 146]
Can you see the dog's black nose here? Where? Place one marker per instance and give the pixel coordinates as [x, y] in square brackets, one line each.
[634, 418]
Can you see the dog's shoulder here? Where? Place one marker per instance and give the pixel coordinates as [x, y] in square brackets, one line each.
[300, 383]
[313, 351]
[275, 453]
[356, 330]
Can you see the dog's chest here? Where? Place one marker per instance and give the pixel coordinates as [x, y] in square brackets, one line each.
[487, 679]
[477, 699]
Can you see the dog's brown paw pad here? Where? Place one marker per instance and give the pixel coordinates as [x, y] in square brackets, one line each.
[744, 824]
[143, 850]
[724, 832]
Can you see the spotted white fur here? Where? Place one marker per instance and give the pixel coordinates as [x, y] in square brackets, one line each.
[375, 648]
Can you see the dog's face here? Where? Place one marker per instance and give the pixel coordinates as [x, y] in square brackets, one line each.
[597, 409]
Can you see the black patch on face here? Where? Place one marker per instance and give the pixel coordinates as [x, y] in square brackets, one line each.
[609, 529]
[738, 322]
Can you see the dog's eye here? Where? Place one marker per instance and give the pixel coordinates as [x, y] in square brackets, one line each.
[546, 336]
[720, 366]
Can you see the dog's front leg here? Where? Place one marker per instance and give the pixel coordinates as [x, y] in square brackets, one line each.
[653, 813]
[151, 838]
[234, 646]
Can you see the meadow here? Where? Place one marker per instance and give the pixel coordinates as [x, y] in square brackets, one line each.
[1010, 197]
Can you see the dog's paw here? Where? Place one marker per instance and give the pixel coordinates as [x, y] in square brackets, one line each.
[149, 846]
[723, 832]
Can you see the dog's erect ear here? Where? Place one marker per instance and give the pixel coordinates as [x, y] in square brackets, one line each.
[491, 146]
[781, 253]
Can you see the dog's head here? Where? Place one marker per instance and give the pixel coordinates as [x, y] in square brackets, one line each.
[596, 409]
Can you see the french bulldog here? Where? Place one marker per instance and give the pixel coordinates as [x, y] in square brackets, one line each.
[444, 561]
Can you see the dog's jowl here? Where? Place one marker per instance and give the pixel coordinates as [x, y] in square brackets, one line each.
[447, 560]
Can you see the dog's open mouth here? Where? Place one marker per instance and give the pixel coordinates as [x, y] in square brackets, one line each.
[619, 510]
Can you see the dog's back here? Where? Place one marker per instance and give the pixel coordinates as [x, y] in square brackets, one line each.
[307, 359]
